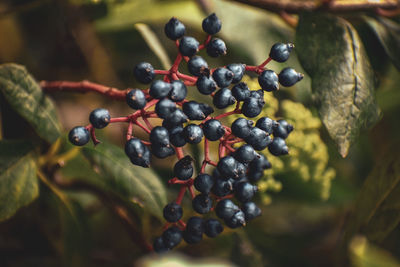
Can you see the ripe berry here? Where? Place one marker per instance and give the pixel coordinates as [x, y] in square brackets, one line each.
[281, 132]
[188, 46]
[159, 246]
[211, 24]
[222, 188]
[266, 124]
[245, 191]
[202, 203]
[178, 92]
[99, 118]
[245, 154]
[159, 136]
[259, 163]
[223, 98]
[206, 85]
[280, 52]
[238, 71]
[252, 106]
[251, 210]
[223, 77]
[176, 136]
[138, 153]
[268, 80]
[136, 99]
[216, 47]
[191, 238]
[213, 130]
[197, 66]
[241, 91]
[225, 209]
[172, 237]
[196, 111]
[160, 89]
[162, 151]
[204, 182]
[193, 134]
[288, 127]
[144, 72]
[174, 29]
[195, 225]
[79, 136]
[258, 139]
[177, 117]
[237, 220]
[259, 94]
[288, 77]
[213, 228]
[227, 167]
[278, 147]
[172, 212]
[241, 127]
[164, 108]
[183, 169]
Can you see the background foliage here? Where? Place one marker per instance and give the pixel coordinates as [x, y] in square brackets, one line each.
[61, 205]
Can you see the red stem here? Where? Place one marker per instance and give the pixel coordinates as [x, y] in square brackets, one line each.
[129, 132]
[181, 194]
[186, 77]
[262, 65]
[179, 152]
[191, 191]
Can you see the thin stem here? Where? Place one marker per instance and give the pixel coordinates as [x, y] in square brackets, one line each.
[181, 194]
[186, 77]
[129, 132]
[191, 191]
[179, 152]
[162, 72]
[262, 65]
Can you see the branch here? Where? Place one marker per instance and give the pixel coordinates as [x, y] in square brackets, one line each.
[291, 6]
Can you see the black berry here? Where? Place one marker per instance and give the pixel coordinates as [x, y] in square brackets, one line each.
[144, 72]
[202, 203]
[213, 228]
[172, 237]
[99, 118]
[213, 130]
[223, 98]
[244, 192]
[216, 47]
[268, 80]
[137, 152]
[193, 134]
[174, 29]
[197, 66]
[176, 136]
[136, 99]
[204, 182]
[164, 108]
[241, 91]
[223, 77]
[206, 85]
[251, 210]
[241, 127]
[288, 77]
[266, 124]
[160, 89]
[178, 92]
[79, 136]
[211, 24]
[183, 169]
[278, 147]
[188, 46]
[172, 212]
[280, 52]
[238, 71]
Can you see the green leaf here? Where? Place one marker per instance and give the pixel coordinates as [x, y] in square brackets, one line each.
[18, 181]
[377, 208]
[134, 182]
[342, 79]
[26, 97]
[388, 32]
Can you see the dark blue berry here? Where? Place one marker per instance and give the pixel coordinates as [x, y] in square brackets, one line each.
[172, 212]
[223, 77]
[251, 210]
[174, 29]
[237, 220]
[278, 147]
[222, 188]
[164, 108]
[258, 139]
[204, 182]
[268, 80]
[260, 163]
[252, 106]
[183, 169]
[245, 154]
[216, 47]
[177, 117]
[211, 24]
[202, 203]
[99, 118]
[244, 192]
[195, 225]
[138, 153]
[79, 136]
[193, 134]
[281, 132]
[197, 66]
[172, 237]
[238, 71]
[160, 89]
[162, 151]
[213, 130]
[255, 176]
[227, 167]
[225, 209]
[144, 72]
[259, 94]
[188, 46]
[196, 111]
[288, 77]
[206, 85]
[213, 228]
[176, 136]
[159, 246]
[178, 92]
[191, 238]
[241, 91]
[288, 127]
[159, 136]
[241, 127]
[136, 99]
[280, 52]
[223, 98]
[266, 124]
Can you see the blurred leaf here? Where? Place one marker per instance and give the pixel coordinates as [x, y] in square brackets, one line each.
[26, 97]
[377, 209]
[179, 260]
[18, 181]
[154, 43]
[131, 181]
[342, 79]
[244, 253]
[365, 254]
[388, 33]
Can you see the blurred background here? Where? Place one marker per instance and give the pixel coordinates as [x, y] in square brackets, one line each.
[310, 199]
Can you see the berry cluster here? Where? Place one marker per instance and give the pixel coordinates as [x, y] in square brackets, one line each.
[238, 166]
